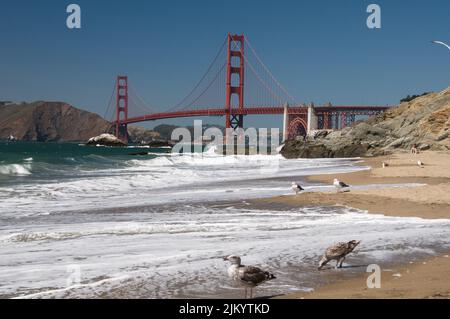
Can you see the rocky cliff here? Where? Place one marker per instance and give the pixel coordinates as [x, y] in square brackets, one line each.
[57, 122]
[424, 121]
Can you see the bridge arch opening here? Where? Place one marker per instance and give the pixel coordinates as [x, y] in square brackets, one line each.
[235, 60]
[297, 127]
[235, 79]
[234, 101]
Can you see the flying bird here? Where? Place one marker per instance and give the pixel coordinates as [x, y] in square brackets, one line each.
[341, 186]
[246, 276]
[441, 43]
[338, 252]
[296, 188]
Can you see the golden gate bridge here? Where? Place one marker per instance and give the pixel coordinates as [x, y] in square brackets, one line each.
[232, 75]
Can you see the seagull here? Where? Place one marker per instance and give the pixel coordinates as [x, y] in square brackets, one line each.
[296, 188]
[442, 43]
[384, 164]
[341, 186]
[419, 163]
[246, 276]
[338, 252]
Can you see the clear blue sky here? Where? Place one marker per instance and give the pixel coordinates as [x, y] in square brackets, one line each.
[319, 50]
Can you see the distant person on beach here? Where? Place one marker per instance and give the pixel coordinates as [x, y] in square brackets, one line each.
[414, 149]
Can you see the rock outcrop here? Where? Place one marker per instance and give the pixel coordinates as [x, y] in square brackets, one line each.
[105, 140]
[424, 121]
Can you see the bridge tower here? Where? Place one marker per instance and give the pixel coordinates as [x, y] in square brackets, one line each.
[235, 49]
[122, 107]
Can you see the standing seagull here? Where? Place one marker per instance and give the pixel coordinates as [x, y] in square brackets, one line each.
[442, 43]
[341, 186]
[247, 276]
[296, 188]
[338, 252]
[420, 164]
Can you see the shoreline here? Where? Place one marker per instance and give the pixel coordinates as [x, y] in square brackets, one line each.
[429, 199]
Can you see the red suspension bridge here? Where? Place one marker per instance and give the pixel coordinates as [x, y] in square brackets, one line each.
[220, 92]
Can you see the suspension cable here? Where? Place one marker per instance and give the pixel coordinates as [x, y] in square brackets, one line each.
[202, 78]
[207, 88]
[110, 100]
[144, 105]
[262, 81]
[268, 71]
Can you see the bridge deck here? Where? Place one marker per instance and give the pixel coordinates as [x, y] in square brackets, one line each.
[250, 111]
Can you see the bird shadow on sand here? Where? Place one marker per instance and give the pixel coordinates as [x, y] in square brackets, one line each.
[346, 267]
[355, 266]
[268, 297]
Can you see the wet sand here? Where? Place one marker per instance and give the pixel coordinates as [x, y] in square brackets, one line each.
[428, 278]
[429, 201]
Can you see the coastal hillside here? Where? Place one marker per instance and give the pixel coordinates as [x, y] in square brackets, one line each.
[424, 121]
[49, 122]
[138, 134]
[57, 122]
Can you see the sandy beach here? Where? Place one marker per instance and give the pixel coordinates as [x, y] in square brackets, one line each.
[429, 199]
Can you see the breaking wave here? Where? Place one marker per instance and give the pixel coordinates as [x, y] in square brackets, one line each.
[15, 169]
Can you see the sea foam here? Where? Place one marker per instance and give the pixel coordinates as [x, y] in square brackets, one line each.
[15, 169]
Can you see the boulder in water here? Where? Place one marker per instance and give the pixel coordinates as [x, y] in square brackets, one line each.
[105, 140]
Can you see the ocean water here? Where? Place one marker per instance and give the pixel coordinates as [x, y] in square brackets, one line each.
[38, 178]
[96, 222]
